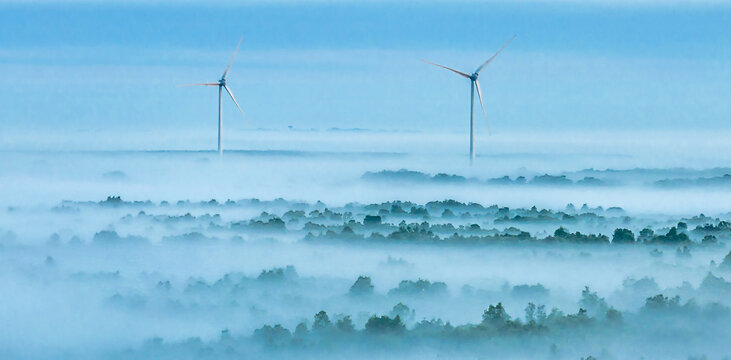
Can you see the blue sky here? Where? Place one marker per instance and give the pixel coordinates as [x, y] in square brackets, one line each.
[112, 66]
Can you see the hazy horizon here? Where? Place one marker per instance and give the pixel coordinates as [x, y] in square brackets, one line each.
[114, 67]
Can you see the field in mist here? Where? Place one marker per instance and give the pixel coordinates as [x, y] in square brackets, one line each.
[370, 244]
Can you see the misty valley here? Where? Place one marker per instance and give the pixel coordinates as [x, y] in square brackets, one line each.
[180, 279]
[389, 246]
[365, 179]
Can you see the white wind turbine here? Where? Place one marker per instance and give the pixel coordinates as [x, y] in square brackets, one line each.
[474, 84]
[221, 86]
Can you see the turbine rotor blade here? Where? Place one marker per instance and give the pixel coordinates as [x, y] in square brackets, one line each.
[479, 95]
[236, 102]
[450, 69]
[492, 57]
[201, 84]
[225, 72]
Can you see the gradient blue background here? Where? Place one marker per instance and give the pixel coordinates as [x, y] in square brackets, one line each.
[88, 66]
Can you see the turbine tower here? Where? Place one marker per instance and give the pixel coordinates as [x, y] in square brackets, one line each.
[474, 84]
[221, 86]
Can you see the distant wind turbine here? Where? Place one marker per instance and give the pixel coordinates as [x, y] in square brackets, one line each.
[221, 86]
[474, 83]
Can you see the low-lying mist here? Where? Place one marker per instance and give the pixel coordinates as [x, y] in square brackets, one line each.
[182, 279]
[386, 251]
[679, 173]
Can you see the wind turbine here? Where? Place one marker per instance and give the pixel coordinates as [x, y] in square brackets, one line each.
[474, 84]
[221, 86]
